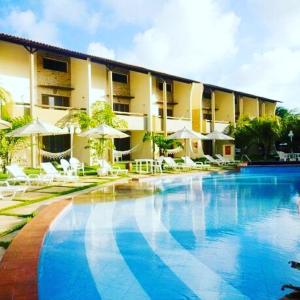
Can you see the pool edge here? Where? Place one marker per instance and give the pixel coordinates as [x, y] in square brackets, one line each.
[19, 265]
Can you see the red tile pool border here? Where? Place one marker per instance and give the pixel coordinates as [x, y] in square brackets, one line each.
[19, 265]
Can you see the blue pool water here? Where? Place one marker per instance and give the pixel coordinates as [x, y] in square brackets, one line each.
[213, 237]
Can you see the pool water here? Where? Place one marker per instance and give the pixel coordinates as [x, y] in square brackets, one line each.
[201, 237]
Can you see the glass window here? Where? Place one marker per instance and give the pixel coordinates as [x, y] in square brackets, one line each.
[53, 100]
[118, 77]
[55, 65]
[122, 107]
[169, 112]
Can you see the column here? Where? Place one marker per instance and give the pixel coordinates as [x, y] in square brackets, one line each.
[263, 109]
[234, 116]
[213, 110]
[32, 95]
[165, 108]
[257, 107]
[89, 83]
[241, 106]
[110, 88]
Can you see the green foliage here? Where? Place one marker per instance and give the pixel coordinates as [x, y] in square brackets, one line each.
[262, 132]
[9, 145]
[5, 98]
[161, 142]
[102, 113]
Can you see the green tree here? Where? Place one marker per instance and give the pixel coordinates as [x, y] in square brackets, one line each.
[161, 142]
[101, 113]
[262, 132]
[9, 145]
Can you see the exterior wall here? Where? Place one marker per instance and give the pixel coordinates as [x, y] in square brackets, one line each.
[80, 99]
[79, 80]
[98, 83]
[270, 108]
[15, 75]
[145, 149]
[250, 107]
[120, 88]
[225, 107]
[196, 102]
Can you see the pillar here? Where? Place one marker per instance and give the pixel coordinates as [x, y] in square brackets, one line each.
[165, 108]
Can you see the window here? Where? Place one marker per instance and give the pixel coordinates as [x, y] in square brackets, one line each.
[169, 86]
[118, 77]
[55, 65]
[55, 100]
[169, 112]
[121, 107]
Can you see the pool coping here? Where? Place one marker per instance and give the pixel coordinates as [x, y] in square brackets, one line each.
[19, 266]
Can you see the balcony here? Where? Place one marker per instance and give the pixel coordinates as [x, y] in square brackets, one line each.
[174, 124]
[135, 121]
[52, 114]
[221, 125]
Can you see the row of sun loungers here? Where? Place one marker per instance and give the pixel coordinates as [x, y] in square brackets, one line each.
[71, 168]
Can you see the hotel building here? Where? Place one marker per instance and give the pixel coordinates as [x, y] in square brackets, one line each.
[51, 83]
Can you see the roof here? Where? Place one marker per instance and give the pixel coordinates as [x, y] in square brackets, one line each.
[112, 63]
[238, 93]
[79, 55]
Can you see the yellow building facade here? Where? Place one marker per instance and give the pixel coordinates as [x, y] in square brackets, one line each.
[50, 83]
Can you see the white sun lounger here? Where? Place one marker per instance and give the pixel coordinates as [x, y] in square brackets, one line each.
[18, 175]
[226, 160]
[76, 165]
[170, 163]
[195, 165]
[52, 172]
[106, 168]
[8, 191]
[213, 160]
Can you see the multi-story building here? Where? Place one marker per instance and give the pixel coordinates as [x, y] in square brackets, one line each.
[50, 83]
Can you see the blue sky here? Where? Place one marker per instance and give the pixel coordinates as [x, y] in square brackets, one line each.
[250, 45]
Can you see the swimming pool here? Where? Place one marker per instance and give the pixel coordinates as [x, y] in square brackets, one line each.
[201, 237]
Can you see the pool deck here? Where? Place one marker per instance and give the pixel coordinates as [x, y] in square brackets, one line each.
[19, 266]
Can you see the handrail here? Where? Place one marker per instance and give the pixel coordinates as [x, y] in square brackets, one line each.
[179, 119]
[129, 113]
[58, 107]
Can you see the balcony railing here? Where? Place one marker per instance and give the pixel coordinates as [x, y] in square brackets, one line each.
[135, 121]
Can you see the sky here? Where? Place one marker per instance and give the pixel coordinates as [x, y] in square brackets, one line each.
[247, 45]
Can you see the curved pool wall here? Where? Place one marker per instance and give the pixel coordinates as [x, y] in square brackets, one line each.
[212, 237]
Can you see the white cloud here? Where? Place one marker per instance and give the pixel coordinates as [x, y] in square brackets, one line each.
[186, 39]
[100, 50]
[282, 20]
[76, 13]
[26, 24]
[135, 11]
[274, 74]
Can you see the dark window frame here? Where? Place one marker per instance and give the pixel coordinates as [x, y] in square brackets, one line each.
[116, 77]
[58, 100]
[169, 86]
[121, 107]
[55, 65]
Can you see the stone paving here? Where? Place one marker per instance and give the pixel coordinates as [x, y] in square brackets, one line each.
[8, 222]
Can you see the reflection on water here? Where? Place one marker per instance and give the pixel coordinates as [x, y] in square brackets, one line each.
[212, 237]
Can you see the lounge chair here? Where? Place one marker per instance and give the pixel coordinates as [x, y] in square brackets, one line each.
[170, 163]
[194, 165]
[76, 165]
[53, 173]
[18, 175]
[106, 168]
[282, 156]
[67, 169]
[8, 191]
[226, 160]
[214, 161]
